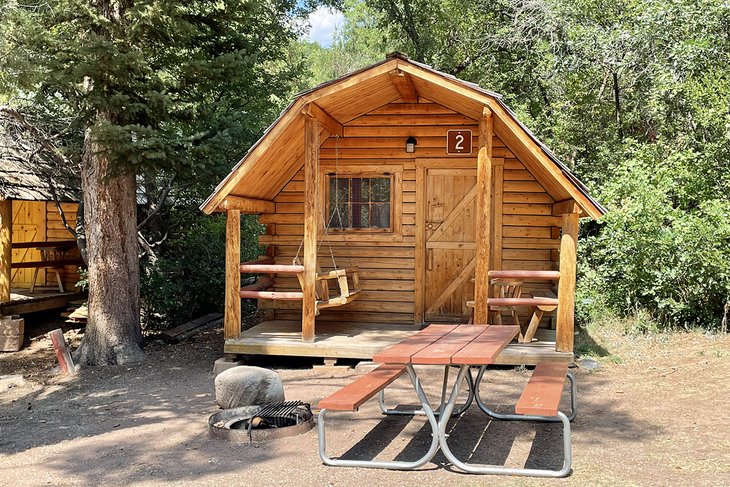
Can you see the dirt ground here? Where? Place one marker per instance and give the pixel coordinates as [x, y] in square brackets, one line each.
[654, 413]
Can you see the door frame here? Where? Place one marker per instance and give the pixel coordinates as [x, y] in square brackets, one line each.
[422, 166]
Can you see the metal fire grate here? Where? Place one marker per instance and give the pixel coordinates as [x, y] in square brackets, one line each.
[270, 421]
[281, 414]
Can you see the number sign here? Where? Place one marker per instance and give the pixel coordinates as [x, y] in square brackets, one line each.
[458, 142]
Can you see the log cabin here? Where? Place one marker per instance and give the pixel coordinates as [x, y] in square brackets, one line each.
[394, 197]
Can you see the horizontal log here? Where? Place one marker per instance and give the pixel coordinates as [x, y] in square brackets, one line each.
[530, 243]
[539, 301]
[410, 121]
[46, 263]
[531, 220]
[273, 295]
[60, 244]
[542, 198]
[246, 205]
[412, 109]
[532, 275]
[402, 131]
[271, 269]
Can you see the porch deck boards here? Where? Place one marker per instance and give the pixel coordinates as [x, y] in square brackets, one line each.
[363, 340]
[23, 301]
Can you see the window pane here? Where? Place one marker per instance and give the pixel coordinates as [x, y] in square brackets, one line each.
[357, 195]
[338, 190]
[380, 215]
[339, 216]
[380, 189]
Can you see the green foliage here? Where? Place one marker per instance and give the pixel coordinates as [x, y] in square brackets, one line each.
[356, 44]
[659, 248]
[182, 86]
[188, 280]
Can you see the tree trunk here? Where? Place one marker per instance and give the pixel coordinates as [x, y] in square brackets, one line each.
[113, 333]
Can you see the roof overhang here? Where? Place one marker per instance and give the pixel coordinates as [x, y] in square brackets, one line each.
[279, 153]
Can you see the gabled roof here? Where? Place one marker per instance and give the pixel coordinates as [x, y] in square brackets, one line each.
[279, 153]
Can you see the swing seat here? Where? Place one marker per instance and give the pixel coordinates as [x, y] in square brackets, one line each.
[346, 294]
[324, 298]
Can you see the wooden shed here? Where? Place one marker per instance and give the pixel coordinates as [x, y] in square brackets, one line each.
[39, 257]
[426, 190]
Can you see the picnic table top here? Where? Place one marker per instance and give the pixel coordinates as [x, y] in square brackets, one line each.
[450, 345]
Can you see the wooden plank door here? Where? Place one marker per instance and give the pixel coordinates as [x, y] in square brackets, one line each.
[447, 241]
[29, 225]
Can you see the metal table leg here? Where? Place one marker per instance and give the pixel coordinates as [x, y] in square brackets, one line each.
[393, 465]
[496, 469]
[437, 411]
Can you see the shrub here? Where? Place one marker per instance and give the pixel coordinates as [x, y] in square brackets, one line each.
[187, 279]
[659, 249]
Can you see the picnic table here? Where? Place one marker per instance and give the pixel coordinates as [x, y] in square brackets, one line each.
[462, 346]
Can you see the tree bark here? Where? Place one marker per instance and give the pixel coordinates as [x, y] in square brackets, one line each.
[113, 333]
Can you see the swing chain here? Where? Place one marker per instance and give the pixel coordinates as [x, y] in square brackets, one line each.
[332, 216]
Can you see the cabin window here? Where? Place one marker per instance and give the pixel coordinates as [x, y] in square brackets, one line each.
[360, 203]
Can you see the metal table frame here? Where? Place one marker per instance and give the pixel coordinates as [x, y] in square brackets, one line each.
[439, 417]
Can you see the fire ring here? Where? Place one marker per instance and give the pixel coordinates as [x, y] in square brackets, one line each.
[261, 423]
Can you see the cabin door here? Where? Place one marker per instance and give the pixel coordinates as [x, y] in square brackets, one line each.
[29, 225]
[447, 242]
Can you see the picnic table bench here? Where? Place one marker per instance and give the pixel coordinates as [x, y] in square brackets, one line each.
[464, 346]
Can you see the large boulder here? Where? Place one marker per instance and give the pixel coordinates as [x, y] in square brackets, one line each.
[247, 386]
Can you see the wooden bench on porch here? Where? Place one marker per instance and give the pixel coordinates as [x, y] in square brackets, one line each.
[54, 257]
[508, 295]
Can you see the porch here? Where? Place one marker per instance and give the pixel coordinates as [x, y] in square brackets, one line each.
[22, 301]
[363, 340]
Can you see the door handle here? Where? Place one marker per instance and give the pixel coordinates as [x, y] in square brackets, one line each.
[429, 258]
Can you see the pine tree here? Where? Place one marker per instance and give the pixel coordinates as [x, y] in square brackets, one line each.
[148, 87]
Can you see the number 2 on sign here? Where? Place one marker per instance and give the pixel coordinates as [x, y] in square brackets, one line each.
[458, 142]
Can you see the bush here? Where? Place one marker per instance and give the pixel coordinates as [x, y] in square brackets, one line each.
[659, 249]
[187, 279]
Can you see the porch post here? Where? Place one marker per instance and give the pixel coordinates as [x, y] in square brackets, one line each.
[311, 168]
[566, 286]
[232, 317]
[6, 239]
[483, 223]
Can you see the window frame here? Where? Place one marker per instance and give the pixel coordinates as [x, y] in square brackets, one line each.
[395, 173]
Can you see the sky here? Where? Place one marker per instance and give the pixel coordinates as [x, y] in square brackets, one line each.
[323, 22]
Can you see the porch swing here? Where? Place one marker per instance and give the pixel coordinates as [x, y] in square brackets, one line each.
[347, 290]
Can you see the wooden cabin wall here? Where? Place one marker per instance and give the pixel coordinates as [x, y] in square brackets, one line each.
[527, 236]
[39, 221]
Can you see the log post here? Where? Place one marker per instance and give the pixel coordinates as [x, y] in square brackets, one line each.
[6, 240]
[483, 218]
[232, 316]
[311, 168]
[565, 330]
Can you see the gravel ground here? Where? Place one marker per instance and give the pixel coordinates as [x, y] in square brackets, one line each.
[654, 413]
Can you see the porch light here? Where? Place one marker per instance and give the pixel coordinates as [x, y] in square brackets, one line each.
[411, 145]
